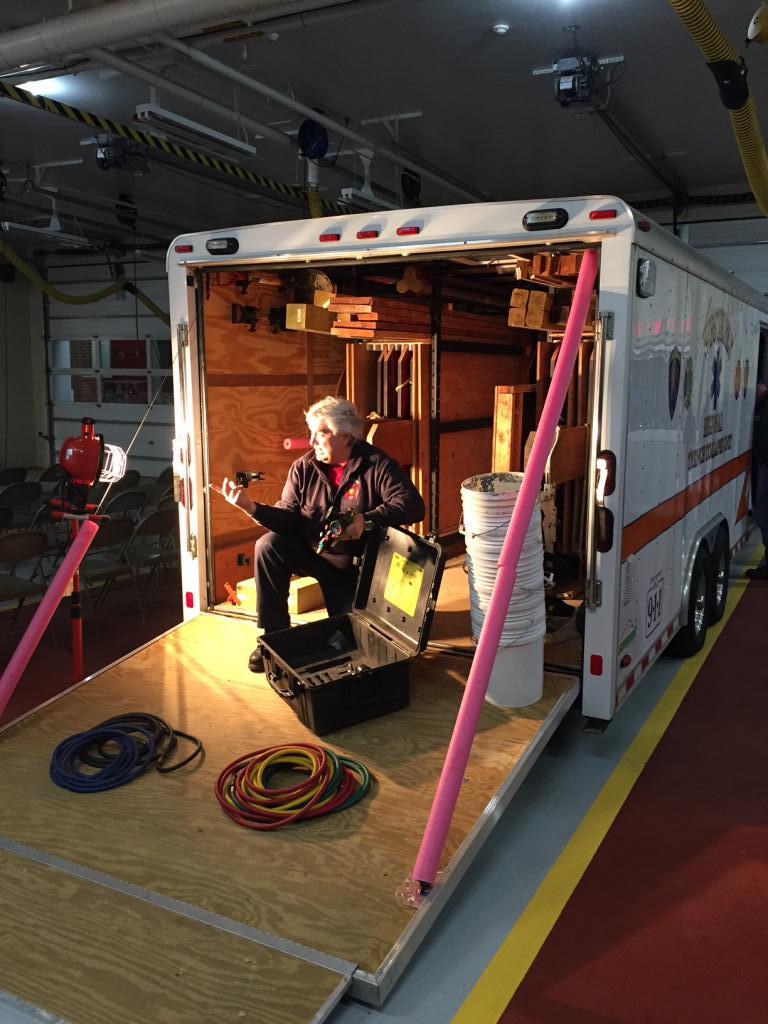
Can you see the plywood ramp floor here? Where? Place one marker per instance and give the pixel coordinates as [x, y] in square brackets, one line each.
[329, 884]
[89, 955]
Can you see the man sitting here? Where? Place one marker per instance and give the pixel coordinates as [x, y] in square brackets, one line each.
[341, 473]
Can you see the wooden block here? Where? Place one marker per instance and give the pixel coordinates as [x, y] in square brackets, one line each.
[300, 316]
[304, 595]
[538, 300]
[516, 316]
[538, 315]
[519, 297]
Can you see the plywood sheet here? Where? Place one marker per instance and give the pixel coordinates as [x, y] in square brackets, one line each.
[467, 382]
[329, 884]
[89, 955]
[463, 453]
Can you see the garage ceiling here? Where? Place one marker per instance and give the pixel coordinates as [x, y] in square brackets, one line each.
[430, 76]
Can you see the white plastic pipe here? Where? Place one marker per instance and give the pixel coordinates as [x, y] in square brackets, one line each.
[123, 20]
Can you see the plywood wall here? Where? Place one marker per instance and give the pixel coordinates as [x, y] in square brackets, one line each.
[259, 381]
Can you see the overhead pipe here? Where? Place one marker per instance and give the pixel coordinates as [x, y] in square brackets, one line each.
[134, 70]
[730, 73]
[122, 20]
[390, 150]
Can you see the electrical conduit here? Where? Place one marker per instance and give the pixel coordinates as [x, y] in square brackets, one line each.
[731, 75]
[444, 803]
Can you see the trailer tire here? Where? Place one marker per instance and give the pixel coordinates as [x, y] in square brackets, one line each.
[721, 567]
[690, 639]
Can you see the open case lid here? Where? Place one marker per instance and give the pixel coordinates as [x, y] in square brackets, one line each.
[398, 584]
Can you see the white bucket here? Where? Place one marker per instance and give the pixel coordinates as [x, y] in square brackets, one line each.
[517, 678]
[488, 501]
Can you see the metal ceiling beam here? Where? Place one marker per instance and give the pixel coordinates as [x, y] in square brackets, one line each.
[123, 20]
[392, 151]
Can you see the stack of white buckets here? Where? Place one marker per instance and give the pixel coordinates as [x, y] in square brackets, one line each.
[517, 678]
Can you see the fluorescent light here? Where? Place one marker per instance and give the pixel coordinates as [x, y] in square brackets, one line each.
[45, 87]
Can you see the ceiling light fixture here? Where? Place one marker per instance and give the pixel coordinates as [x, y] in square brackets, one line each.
[500, 28]
[45, 87]
[149, 113]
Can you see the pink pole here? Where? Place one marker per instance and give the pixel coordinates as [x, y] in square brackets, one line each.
[296, 444]
[45, 610]
[444, 803]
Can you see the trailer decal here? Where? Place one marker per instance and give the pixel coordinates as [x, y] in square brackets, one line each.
[660, 519]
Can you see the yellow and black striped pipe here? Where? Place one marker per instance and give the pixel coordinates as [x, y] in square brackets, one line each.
[157, 144]
[728, 68]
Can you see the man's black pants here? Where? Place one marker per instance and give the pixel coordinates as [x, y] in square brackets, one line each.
[277, 557]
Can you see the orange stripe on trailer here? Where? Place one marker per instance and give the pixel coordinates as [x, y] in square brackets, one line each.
[743, 503]
[660, 519]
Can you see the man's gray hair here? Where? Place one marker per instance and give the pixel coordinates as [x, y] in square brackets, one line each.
[339, 413]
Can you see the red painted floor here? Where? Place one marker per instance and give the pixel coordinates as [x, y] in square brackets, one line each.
[669, 923]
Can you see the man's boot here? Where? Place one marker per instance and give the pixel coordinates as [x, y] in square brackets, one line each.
[256, 661]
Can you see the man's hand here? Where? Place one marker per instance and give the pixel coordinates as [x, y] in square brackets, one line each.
[236, 495]
[355, 529]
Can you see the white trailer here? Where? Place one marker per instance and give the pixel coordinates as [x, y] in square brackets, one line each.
[678, 347]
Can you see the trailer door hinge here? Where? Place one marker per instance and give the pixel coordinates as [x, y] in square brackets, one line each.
[606, 326]
[597, 594]
[182, 334]
[192, 545]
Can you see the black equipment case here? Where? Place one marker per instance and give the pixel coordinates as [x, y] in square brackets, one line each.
[342, 670]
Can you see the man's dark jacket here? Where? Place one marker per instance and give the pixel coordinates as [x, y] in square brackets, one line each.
[373, 484]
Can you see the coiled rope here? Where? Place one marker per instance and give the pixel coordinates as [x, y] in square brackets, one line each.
[331, 783]
[116, 752]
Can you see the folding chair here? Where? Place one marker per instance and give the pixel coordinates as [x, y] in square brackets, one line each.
[105, 561]
[22, 499]
[154, 546]
[12, 475]
[57, 536]
[125, 504]
[16, 549]
[160, 488]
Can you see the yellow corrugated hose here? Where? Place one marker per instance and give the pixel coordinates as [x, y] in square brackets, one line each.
[79, 300]
[314, 202]
[696, 17]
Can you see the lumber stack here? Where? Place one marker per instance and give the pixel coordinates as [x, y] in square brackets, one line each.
[394, 321]
[379, 319]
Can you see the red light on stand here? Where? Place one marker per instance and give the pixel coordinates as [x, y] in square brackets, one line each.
[603, 214]
[368, 233]
[189, 599]
[182, 248]
[409, 229]
[330, 236]
[596, 664]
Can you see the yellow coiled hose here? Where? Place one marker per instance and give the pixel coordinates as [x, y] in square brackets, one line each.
[696, 17]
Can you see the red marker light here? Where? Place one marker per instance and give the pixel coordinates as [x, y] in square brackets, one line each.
[603, 214]
[189, 599]
[368, 233]
[182, 248]
[626, 661]
[596, 664]
[330, 236]
[409, 229]
[644, 225]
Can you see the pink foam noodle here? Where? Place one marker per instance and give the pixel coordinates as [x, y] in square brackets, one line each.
[444, 802]
[296, 444]
[45, 610]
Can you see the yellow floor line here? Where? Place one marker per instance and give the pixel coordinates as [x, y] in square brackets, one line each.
[500, 980]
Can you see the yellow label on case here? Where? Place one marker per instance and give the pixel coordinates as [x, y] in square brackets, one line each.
[403, 584]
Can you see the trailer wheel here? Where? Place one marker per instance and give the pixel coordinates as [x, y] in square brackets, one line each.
[721, 567]
[690, 638]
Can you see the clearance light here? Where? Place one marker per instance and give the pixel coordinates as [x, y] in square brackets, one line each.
[603, 214]
[540, 220]
[330, 236]
[625, 662]
[644, 225]
[189, 599]
[409, 229]
[596, 664]
[368, 233]
[222, 246]
[182, 248]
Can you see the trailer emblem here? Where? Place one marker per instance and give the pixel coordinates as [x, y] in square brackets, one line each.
[674, 380]
[717, 371]
[688, 383]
